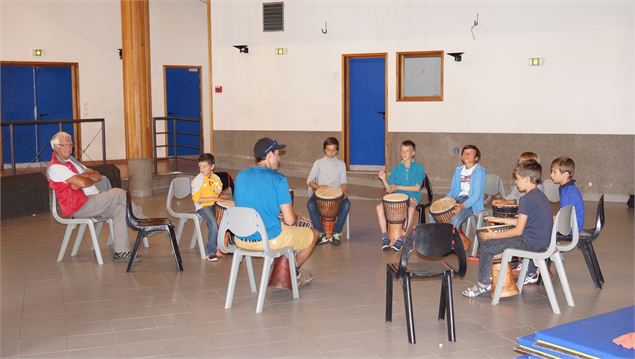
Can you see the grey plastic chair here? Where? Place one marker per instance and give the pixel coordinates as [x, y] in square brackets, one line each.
[180, 188]
[493, 186]
[551, 190]
[243, 222]
[565, 222]
[94, 227]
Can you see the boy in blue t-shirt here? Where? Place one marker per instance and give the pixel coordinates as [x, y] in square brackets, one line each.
[532, 229]
[562, 169]
[405, 177]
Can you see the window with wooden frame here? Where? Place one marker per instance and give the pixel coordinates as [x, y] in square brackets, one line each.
[420, 76]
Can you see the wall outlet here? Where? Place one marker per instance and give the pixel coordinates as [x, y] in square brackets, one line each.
[456, 150]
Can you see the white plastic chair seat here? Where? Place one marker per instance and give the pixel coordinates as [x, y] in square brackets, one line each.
[243, 222]
[180, 188]
[94, 227]
[565, 222]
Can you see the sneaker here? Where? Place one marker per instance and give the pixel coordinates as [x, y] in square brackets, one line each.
[531, 278]
[397, 246]
[336, 239]
[322, 239]
[125, 257]
[212, 258]
[304, 277]
[385, 243]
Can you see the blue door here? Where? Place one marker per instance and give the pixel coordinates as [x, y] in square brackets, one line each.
[40, 93]
[183, 99]
[54, 101]
[367, 104]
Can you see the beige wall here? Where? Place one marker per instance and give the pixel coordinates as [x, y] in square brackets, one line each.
[605, 161]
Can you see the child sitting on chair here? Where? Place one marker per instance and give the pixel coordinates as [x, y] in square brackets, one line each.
[206, 189]
[468, 186]
[562, 169]
[405, 177]
[532, 229]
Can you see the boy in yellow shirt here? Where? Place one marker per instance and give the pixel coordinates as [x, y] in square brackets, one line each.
[206, 189]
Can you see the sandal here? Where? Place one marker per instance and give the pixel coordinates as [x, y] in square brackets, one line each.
[476, 290]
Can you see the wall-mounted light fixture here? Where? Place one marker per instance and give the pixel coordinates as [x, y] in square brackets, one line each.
[244, 49]
[456, 55]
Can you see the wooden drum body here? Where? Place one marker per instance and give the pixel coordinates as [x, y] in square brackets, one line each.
[328, 201]
[509, 286]
[396, 212]
[280, 277]
[441, 210]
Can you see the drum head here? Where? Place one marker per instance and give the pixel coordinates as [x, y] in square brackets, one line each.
[329, 193]
[395, 197]
[442, 205]
[225, 203]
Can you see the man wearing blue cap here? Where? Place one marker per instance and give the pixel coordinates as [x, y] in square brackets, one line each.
[266, 190]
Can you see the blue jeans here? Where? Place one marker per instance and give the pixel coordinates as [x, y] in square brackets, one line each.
[487, 251]
[464, 215]
[341, 215]
[209, 216]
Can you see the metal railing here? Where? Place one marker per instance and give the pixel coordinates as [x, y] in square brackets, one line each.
[59, 123]
[174, 144]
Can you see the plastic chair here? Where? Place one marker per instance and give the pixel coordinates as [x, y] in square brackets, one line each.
[587, 236]
[243, 222]
[421, 207]
[180, 188]
[551, 190]
[94, 227]
[145, 226]
[565, 222]
[473, 224]
[493, 186]
[428, 240]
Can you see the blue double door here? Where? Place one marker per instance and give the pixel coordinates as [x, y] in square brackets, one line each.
[366, 96]
[34, 93]
[183, 99]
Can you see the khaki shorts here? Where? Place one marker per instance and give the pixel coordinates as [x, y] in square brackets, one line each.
[297, 237]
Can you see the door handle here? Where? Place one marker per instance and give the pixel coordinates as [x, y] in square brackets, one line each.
[383, 113]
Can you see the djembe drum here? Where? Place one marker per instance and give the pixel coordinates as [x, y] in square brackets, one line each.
[396, 212]
[219, 209]
[441, 211]
[509, 286]
[280, 277]
[328, 202]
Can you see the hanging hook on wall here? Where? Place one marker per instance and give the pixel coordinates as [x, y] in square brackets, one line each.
[473, 26]
[325, 28]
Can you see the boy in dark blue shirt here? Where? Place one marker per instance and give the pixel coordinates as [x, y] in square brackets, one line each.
[532, 229]
[562, 169]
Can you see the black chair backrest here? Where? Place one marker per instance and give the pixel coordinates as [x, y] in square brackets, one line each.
[227, 180]
[131, 219]
[426, 184]
[434, 240]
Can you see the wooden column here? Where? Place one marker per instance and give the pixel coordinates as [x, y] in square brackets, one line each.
[135, 33]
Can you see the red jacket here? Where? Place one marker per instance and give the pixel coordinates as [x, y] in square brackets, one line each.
[70, 199]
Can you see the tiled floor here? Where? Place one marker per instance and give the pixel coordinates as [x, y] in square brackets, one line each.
[77, 309]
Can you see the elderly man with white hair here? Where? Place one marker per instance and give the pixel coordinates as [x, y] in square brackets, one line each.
[74, 186]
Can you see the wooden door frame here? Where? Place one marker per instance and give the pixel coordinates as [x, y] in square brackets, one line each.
[165, 99]
[74, 66]
[346, 103]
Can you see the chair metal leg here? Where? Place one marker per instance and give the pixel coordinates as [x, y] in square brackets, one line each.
[407, 296]
[442, 300]
[175, 248]
[250, 273]
[589, 263]
[389, 279]
[137, 243]
[595, 263]
[262, 291]
[551, 294]
[233, 275]
[562, 274]
[78, 239]
[447, 279]
[67, 237]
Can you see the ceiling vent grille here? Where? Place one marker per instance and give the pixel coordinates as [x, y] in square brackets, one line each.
[273, 16]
